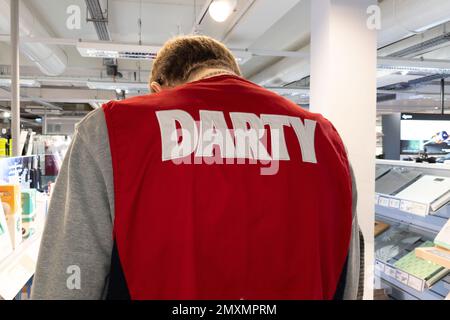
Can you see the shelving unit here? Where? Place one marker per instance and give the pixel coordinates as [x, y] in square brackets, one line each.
[18, 267]
[427, 227]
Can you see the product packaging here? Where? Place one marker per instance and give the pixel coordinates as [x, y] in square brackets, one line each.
[5, 239]
[11, 198]
[443, 238]
[28, 212]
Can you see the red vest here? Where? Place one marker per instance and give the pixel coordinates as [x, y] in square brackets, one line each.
[187, 227]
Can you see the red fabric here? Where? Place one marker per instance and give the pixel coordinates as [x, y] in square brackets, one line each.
[226, 231]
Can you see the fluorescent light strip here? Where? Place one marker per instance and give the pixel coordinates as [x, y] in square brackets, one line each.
[22, 82]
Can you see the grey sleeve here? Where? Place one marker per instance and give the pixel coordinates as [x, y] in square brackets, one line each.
[75, 252]
[355, 267]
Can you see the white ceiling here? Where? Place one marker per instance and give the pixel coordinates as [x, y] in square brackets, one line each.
[258, 25]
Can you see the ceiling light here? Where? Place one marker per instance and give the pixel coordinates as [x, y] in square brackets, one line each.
[220, 10]
[383, 73]
[116, 51]
[118, 86]
[6, 114]
[242, 56]
[23, 82]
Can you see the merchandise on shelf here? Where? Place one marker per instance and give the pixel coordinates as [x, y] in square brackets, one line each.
[394, 241]
[5, 239]
[54, 147]
[443, 237]
[381, 171]
[431, 190]
[417, 212]
[28, 212]
[425, 273]
[380, 227]
[396, 180]
[11, 199]
[4, 151]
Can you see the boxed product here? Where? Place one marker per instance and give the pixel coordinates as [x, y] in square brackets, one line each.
[28, 212]
[439, 254]
[11, 198]
[432, 191]
[5, 240]
[395, 180]
[443, 238]
[419, 273]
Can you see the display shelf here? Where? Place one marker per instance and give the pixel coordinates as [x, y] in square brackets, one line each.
[17, 268]
[432, 223]
[430, 168]
[437, 291]
[400, 291]
[427, 226]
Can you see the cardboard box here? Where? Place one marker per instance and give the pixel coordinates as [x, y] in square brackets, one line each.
[11, 199]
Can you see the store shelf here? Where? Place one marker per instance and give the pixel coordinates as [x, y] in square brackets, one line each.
[427, 226]
[432, 223]
[19, 267]
[438, 291]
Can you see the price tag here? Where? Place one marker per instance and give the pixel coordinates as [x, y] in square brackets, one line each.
[384, 202]
[416, 283]
[416, 208]
[391, 272]
[402, 277]
[394, 203]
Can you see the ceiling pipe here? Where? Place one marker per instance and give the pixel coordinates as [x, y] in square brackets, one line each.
[200, 16]
[399, 20]
[402, 19]
[100, 22]
[50, 59]
[420, 44]
[34, 99]
[285, 71]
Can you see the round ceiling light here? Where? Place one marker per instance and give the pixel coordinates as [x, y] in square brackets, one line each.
[220, 10]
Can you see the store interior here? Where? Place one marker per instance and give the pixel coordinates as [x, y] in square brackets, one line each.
[411, 201]
[75, 55]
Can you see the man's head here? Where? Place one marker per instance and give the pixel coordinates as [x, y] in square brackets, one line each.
[183, 57]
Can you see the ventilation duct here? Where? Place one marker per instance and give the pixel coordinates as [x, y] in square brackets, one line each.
[50, 59]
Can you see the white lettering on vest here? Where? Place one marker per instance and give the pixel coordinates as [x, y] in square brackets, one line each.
[241, 142]
[171, 148]
[214, 131]
[248, 131]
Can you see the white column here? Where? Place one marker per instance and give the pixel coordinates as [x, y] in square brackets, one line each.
[15, 85]
[343, 89]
